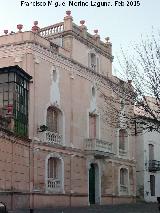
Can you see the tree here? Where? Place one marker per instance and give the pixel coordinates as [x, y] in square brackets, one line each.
[117, 106]
[142, 66]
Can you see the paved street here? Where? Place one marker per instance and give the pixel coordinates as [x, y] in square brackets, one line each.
[125, 208]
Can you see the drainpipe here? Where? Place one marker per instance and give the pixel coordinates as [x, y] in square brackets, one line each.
[70, 180]
[31, 177]
[12, 180]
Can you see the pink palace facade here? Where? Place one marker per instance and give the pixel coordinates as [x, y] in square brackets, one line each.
[56, 147]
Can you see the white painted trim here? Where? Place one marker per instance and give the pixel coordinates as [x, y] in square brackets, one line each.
[128, 183]
[89, 162]
[127, 156]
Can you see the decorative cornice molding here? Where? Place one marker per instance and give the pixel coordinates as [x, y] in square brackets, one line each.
[14, 138]
[53, 56]
[85, 41]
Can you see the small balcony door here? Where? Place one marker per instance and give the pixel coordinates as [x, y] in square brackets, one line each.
[152, 185]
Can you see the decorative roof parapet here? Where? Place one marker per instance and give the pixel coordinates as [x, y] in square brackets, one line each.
[96, 36]
[35, 27]
[52, 30]
[68, 21]
[6, 32]
[68, 26]
[19, 27]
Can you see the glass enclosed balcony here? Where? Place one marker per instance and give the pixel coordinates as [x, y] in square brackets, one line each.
[14, 88]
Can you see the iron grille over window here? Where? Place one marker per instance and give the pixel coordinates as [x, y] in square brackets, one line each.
[14, 83]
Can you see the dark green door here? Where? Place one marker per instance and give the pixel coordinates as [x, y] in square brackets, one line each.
[92, 184]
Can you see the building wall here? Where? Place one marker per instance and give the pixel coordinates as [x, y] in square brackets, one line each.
[30, 181]
[151, 138]
[76, 177]
[143, 139]
[70, 90]
[140, 167]
[81, 56]
[15, 171]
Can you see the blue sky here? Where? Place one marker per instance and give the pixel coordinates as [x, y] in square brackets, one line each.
[124, 25]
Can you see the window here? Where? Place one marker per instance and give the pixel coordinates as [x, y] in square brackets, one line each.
[53, 168]
[123, 180]
[93, 92]
[92, 126]
[123, 138]
[52, 119]
[54, 173]
[151, 152]
[54, 123]
[152, 185]
[14, 88]
[93, 61]
[54, 72]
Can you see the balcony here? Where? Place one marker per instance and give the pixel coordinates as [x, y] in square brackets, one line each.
[98, 147]
[154, 166]
[54, 185]
[51, 137]
[123, 189]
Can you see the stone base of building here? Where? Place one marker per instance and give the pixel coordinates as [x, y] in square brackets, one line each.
[16, 200]
[59, 200]
[107, 200]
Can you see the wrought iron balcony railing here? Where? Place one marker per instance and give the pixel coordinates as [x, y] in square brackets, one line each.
[154, 165]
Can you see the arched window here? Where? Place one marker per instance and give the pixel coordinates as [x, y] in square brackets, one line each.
[52, 119]
[93, 92]
[53, 168]
[93, 61]
[54, 72]
[123, 139]
[123, 180]
[151, 152]
[54, 176]
[54, 122]
[92, 126]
